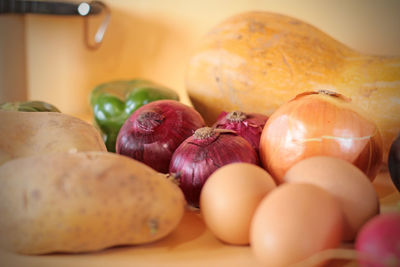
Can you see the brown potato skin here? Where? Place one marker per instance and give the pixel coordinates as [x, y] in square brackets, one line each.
[84, 201]
[30, 133]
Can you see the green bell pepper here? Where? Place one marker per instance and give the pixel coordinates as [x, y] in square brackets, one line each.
[29, 106]
[113, 102]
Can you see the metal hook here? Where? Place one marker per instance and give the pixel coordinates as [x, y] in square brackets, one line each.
[84, 9]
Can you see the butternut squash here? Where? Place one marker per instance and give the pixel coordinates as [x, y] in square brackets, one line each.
[256, 61]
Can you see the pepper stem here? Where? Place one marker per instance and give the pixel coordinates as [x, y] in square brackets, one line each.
[236, 116]
[150, 120]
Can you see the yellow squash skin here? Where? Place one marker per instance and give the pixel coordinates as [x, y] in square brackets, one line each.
[256, 61]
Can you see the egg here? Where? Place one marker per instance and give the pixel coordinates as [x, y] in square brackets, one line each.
[349, 185]
[294, 222]
[229, 198]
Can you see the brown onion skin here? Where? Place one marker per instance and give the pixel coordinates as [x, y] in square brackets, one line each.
[154, 141]
[195, 160]
[319, 123]
[249, 127]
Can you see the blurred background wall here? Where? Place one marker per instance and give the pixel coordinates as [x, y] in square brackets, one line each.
[43, 57]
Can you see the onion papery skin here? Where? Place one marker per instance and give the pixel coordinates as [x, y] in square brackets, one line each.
[153, 132]
[319, 123]
[248, 126]
[196, 159]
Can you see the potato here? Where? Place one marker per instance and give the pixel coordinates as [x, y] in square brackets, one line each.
[84, 201]
[29, 133]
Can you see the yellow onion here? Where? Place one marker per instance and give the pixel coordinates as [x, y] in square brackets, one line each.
[319, 123]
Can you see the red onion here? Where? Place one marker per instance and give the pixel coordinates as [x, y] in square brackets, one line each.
[203, 153]
[248, 126]
[153, 132]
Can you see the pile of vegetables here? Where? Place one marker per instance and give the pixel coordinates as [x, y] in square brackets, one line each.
[318, 155]
[170, 137]
[289, 176]
[333, 117]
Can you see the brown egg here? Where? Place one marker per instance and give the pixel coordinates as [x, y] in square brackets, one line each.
[351, 187]
[229, 198]
[294, 222]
